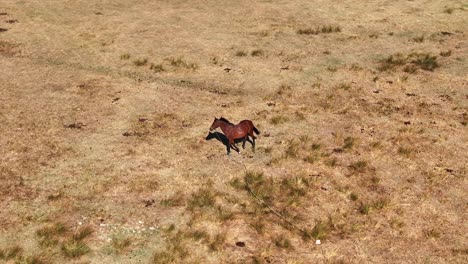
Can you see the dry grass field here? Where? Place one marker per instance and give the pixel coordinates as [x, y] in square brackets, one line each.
[105, 155]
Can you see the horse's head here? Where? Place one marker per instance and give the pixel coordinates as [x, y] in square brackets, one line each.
[215, 124]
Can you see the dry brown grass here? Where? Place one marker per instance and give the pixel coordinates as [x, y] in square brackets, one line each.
[104, 110]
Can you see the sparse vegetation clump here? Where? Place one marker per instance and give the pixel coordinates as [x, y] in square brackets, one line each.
[203, 198]
[258, 225]
[257, 52]
[71, 244]
[358, 166]
[348, 143]
[419, 39]
[362, 132]
[241, 53]
[75, 248]
[198, 235]
[405, 151]
[295, 187]
[446, 53]
[284, 89]
[331, 162]
[125, 56]
[292, 149]
[279, 119]
[411, 62]
[175, 249]
[364, 208]
[392, 61]
[157, 67]
[163, 257]
[140, 62]
[380, 204]
[319, 30]
[11, 252]
[283, 242]
[319, 231]
[48, 235]
[464, 119]
[426, 62]
[181, 63]
[316, 147]
[83, 233]
[175, 200]
[449, 10]
[217, 242]
[311, 158]
[431, 233]
[121, 243]
[256, 182]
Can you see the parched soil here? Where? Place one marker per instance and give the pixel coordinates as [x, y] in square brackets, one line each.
[106, 157]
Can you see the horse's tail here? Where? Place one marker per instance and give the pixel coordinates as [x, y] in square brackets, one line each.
[256, 131]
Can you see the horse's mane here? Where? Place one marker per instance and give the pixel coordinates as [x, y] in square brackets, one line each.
[225, 120]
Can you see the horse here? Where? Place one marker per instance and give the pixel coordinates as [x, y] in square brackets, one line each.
[243, 130]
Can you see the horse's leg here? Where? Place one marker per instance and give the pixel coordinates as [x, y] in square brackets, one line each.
[228, 147]
[243, 143]
[231, 142]
[253, 139]
[235, 148]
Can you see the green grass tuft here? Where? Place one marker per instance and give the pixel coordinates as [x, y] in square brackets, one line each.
[283, 242]
[157, 67]
[83, 233]
[447, 53]
[319, 231]
[279, 120]
[405, 151]
[392, 61]
[426, 62]
[10, 252]
[348, 143]
[175, 200]
[120, 244]
[358, 166]
[203, 198]
[74, 248]
[364, 208]
[125, 56]
[47, 236]
[217, 242]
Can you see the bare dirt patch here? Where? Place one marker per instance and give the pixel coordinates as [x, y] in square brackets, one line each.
[105, 155]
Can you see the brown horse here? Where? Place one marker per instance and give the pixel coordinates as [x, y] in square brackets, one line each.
[243, 130]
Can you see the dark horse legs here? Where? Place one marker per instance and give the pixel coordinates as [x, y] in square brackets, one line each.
[253, 140]
[249, 140]
[231, 145]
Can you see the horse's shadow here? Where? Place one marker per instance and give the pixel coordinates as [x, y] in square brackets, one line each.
[223, 139]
